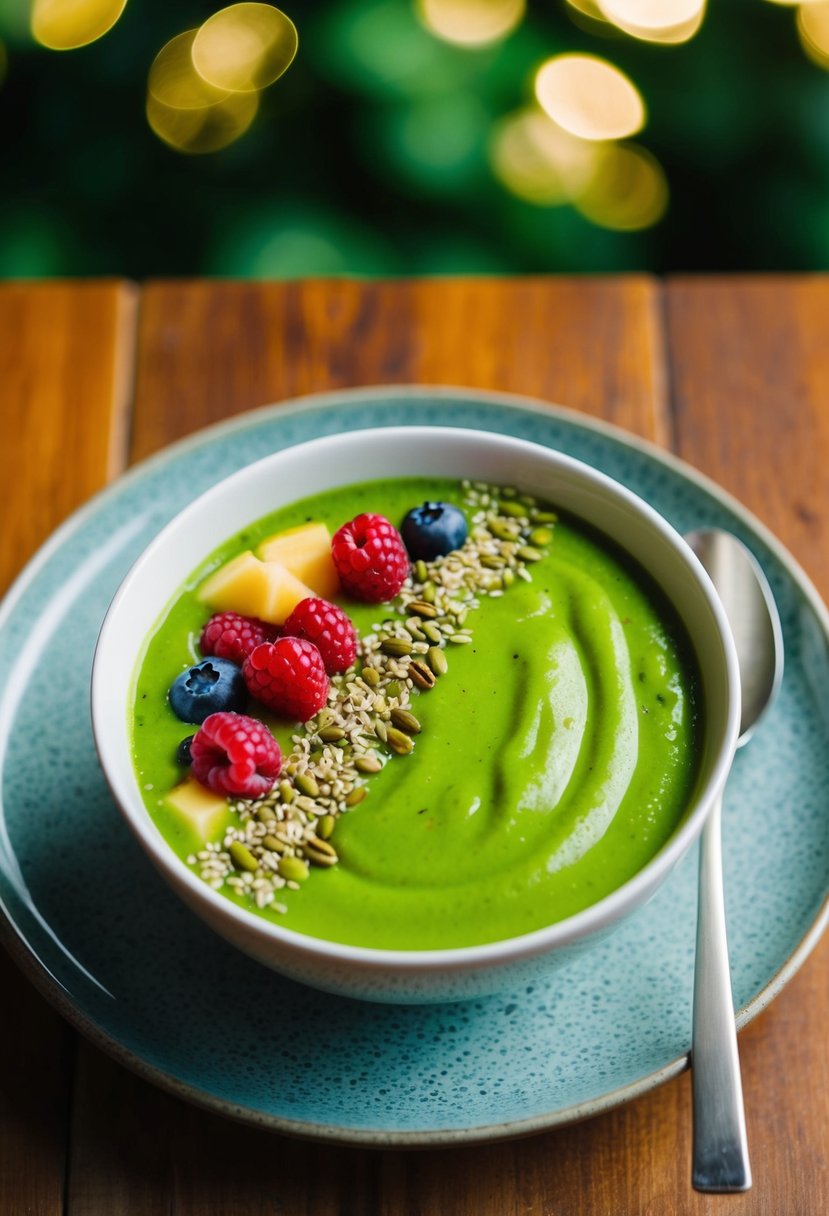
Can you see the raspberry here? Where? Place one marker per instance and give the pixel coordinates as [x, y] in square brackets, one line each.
[288, 676]
[371, 558]
[231, 636]
[328, 627]
[235, 755]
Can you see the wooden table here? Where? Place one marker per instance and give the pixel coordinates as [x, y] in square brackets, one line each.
[733, 374]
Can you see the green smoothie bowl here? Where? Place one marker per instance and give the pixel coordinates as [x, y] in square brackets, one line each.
[410, 714]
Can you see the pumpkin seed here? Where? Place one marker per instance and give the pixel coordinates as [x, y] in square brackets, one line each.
[292, 869]
[423, 608]
[355, 796]
[528, 554]
[460, 639]
[307, 783]
[461, 615]
[370, 676]
[286, 792]
[428, 592]
[274, 843]
[398, 741]
[516, 510]
[502, 529]
[242, 857]
[324, 718]
[404, 720]
[368, 763]
[396, 647]
[330, 734]
[490, 562]
[421, 674]
[540, 536]
[432, 631]
[380, 729]
[436, 659]
[508, 577]
[508, 491]
[393, 688]
[544, 517]
[320, 852]
[325, 827]
[266, 814]
[421, 571]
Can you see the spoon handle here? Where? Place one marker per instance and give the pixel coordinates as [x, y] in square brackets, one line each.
[720, 1153]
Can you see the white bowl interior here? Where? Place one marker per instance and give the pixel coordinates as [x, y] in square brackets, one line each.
[364, 456]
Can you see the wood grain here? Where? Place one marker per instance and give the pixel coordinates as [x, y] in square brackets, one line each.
[65, 366]
[66, 354]
[209, 350]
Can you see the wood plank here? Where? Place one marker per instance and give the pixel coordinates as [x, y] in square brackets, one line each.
[208, 350]
[749, 367]
[66, 363]
[65, 367]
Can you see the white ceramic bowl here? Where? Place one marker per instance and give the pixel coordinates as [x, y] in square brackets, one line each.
[388, 975]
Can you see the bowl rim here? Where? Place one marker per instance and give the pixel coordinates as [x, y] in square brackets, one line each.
[603, 914]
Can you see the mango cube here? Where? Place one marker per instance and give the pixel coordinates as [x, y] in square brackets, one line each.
[254, 588]
[306, 552]
[203, 811]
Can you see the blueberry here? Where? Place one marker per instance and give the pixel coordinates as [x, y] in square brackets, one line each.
[211, 687]
[183, 756]
[434, 529]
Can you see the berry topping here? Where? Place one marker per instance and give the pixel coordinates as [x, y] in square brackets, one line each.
[328, 627]
[236, 756]
[370, 558]
[211, 687]
[183, 756]
[433, 530]
[231, 636]
[288, 676]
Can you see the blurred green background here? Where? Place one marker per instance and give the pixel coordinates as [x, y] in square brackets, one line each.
[387, 149]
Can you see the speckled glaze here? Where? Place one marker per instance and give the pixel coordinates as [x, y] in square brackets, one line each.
[90, 920]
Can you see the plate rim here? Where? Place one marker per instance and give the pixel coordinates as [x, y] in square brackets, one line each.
[12, 938]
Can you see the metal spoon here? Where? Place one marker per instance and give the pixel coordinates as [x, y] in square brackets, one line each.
[720, 1153]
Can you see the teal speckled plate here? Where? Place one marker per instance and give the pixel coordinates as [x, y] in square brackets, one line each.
[95, 927]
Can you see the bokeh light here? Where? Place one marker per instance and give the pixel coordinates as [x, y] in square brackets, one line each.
[589, 9]
[813, 30]
[538, 161]
[174, 81]
[665, 21]
[471, 22]
[245, 47]
[63, 25]
[628, 190]
[185, 111]
[589, 97]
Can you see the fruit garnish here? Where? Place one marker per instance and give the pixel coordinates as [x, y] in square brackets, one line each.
[266, 591]
[212, 686]
[232, 636]
[288, 676]
[329, 628]
[433, 530]
[235, 755]
[370, 558]
[306, 552]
